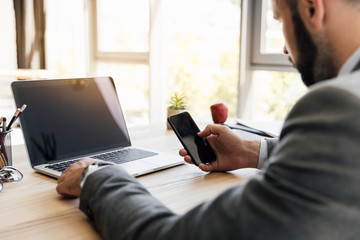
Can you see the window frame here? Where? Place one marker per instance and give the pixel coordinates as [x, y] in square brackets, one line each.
[251, 59]
[123, 57]
[134, 57]
[259, 60]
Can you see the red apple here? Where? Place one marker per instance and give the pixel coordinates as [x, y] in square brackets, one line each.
[219, 112]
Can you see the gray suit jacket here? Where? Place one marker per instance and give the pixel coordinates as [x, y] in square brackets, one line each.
[309, 190]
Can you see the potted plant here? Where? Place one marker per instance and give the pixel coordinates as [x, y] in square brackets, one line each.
[177, 105]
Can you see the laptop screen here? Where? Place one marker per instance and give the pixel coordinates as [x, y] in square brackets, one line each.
[68, 118]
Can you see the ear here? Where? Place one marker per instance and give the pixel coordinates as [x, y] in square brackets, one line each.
[312, 13]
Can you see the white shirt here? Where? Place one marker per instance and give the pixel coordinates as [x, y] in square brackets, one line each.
[345, 69]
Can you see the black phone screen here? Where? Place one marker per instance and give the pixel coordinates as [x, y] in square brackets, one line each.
[186, 130]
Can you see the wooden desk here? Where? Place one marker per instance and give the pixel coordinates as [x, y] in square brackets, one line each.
[31, 208]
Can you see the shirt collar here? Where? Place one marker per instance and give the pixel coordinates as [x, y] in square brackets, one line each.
[350, 63]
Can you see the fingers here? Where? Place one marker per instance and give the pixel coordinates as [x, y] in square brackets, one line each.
[182, 152]
[187, 158]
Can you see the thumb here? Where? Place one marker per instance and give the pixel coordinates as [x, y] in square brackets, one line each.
[206, 167]
[211, 129]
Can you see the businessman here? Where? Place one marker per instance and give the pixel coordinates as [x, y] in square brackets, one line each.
[309, 188]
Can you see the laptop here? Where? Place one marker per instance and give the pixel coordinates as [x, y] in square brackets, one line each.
[68, 119]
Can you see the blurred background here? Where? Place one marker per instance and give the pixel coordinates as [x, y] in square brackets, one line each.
[210, 50]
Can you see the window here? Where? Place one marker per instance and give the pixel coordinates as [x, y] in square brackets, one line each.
[154, 48]
[123, 26]
[268, 39]
[66, 38]
[274, 93]
[202, 52]
[272, 41]
[121, 31]
[8, 57]
[274, 85]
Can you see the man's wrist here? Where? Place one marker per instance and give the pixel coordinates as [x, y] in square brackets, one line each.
[91, 169]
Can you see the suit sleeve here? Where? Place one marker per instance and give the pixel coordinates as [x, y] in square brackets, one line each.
[271, 143]
[308, 191]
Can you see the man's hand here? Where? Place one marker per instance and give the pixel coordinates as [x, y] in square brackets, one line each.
[69, 181]
[232, 152]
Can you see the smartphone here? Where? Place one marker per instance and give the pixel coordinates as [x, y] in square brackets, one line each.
[186, 130]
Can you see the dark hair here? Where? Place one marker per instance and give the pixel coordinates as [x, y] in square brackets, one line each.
[292, 4]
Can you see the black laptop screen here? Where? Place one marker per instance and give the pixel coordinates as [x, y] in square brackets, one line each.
[67, 118]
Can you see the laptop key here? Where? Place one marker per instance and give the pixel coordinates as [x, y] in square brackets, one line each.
[60, 167]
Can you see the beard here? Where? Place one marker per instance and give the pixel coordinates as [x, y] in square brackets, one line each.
[314, 63]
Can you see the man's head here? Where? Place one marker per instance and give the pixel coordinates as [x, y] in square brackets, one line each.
[310, 29]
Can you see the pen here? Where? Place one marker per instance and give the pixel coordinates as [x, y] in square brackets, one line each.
[16, 115]
[4, 124]
[13, 118]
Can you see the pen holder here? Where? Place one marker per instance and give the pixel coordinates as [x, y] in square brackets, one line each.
[5, 149]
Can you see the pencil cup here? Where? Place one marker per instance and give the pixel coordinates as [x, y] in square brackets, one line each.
[5, 149]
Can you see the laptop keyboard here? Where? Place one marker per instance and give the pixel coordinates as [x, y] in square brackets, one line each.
[124, 156]
[121, 156]
[60, 167]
